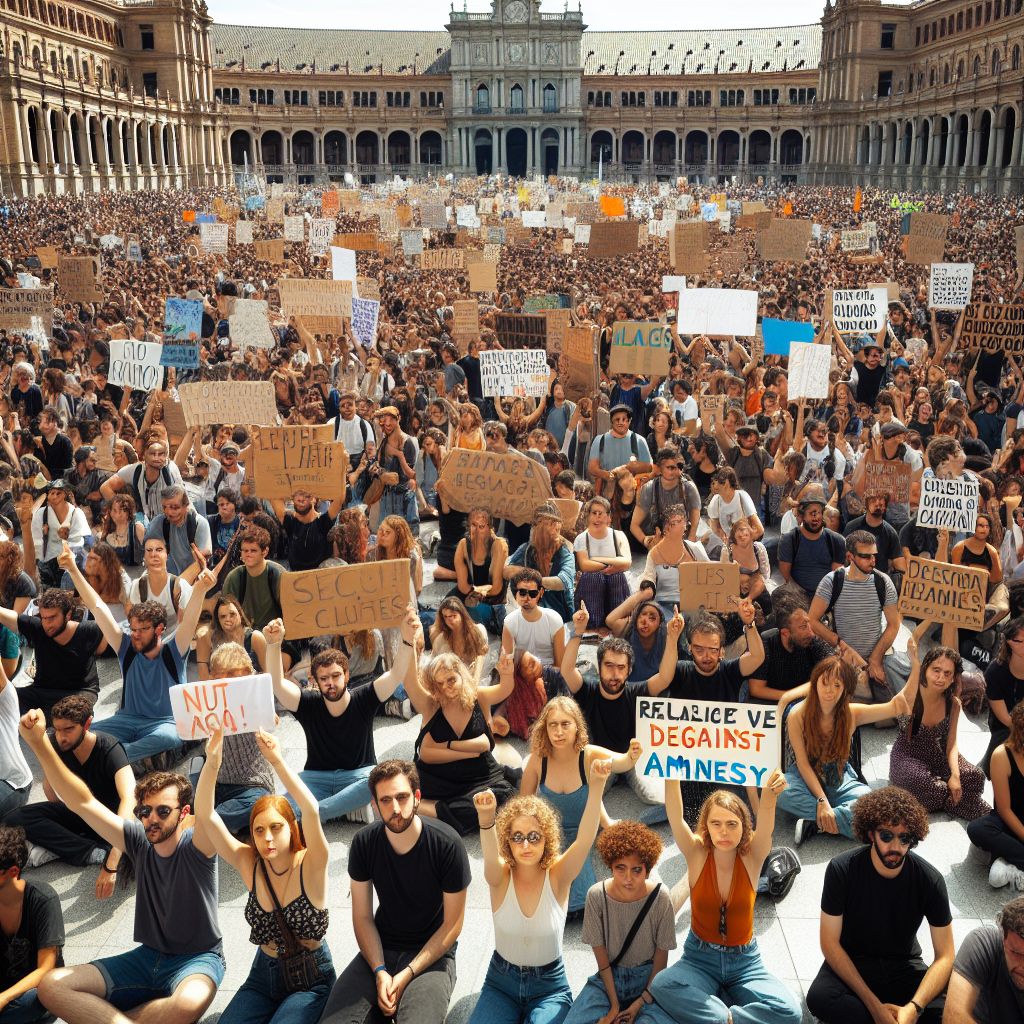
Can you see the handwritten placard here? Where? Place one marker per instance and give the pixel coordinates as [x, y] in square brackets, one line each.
[891, 479]
[228, 401]
[640, 347]
[442, 259]
[949, 285]
[136, 364]
[318, 467]
[578, 363]
[520, 372]
[948, 505]
[321, 304]
[232, 706]
[215, 237]
[942, 592]
[859, 310]
[508, 485]
[79, 278]
[708, 585]
[809, 366]
[249, 325]
[19, 305]
[994, 327]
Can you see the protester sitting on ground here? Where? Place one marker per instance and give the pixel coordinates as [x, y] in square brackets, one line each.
[479, 571]
[229, 623]
[665, 557]
[156, 583]
[602, 559]
[641, 621]
[551, 555]
[183, 530]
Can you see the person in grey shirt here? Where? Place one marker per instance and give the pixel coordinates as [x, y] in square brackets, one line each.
[180, 959]
[180, 526]
[671, 487]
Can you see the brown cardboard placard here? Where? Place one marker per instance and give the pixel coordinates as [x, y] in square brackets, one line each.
[289, 438]
[508, 485]
[48, 257]
[345, 599]
[708, 585]
[580, 374]
[889, 478]
[319, 467]
[785, 239]
[19, 305]
[642, 347]
[467, 322]
[609, 239]
[174, 421]
[323, 305]
[483, 276]
[942, 592]
[892, 289]
[269, 250]
[228, 401]
[442, 259]
[330, 203]
[994, 327]
[687, 247]
[570, 511]
[558, 322]
[361, 241]
[368, 288]
[924, 251]
[79, 278]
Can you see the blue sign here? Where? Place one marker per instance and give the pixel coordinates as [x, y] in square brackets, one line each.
[183, 320]
[181, 357]
[254, 203]
[778, 334]
[206, 218]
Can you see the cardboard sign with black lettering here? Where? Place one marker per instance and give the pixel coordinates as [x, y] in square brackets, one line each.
[640, 347]
[442, 259]
[79, 278]
[483, 276]
[558, 321]
[322, 305]
[228, 401]
[942, 592]
[578, 363]
[19, 305]
[994, 327]
[318, 467]
[948, 505]
[713, 586]
[891, 479]
[508, 485]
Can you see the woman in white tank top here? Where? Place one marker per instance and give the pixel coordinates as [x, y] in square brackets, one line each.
[529, 878]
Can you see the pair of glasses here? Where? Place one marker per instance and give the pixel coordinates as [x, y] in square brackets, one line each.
[523, 592]
[904, 838]
[533, 838]
[162, 811]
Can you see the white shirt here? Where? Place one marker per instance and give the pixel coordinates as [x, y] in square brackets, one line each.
[612, 545]
[535, 637]
[78, 530]
[730, 512]
[352, 432]
[164, 598]
[813, 469]
[687, 409]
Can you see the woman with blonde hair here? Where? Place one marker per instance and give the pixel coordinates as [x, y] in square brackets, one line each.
[721, 976]
[455, 632]
[469, 433]
[529, 878]
[558, 769]
[454, 748]
[480, 559]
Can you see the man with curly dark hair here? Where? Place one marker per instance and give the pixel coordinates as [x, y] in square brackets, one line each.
[872, 904]
[987, 985]
[35, 948]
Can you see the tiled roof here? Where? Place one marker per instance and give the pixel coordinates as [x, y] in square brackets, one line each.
[364, 50]
[718, 51]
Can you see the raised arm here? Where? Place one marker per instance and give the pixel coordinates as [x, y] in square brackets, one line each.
[667, 668]
[570, 673]
[569, 863]
[690, 846]
[495, 869]
[384, 686]
[761, 841]
[188, 620]
[211, 834]
[100, 612]
[753, 658]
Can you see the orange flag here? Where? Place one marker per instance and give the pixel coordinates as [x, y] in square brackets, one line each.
[787, 210]
[857, 199]
[188, 216]
[613, 206]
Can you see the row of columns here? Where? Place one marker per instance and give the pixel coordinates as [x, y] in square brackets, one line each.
[568, 144]
[319, 141]
[710, 141]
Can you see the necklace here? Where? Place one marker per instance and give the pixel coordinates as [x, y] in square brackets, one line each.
[280, 874]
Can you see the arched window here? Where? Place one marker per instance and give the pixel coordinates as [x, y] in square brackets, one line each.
[976, 68]
[16, 52]
[113, 78]
[1015, 59]
[945, 75]
[516, 97]
[483, 98]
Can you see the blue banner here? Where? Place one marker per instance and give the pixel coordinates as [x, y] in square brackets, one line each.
[183, 320]
[778, 334]
[181, 357]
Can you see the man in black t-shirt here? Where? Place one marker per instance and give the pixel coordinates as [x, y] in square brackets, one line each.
[65, 651]
[305, 530]
[338, 722]
[52, 829]
[419, 870]
[987, 985]
[36, 947]
[890, 555]
[872, 905]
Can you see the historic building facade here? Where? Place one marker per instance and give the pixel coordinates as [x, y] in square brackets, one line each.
[147, 93]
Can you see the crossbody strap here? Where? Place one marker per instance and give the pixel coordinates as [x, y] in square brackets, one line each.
[291, 943]
[639, 920]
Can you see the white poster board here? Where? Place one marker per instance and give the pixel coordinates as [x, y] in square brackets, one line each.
[214, 237]
[294, 229]
[729, 311]
[242, 704]
[809, 367]
[948, 505]
[534, 218]
[859, 310]
[673, 283]
[520, 372]
[343, 264]
[243, 232]
[949, 285]
[136, 364]
[249, 325]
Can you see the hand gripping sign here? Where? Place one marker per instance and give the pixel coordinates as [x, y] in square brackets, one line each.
[242, 704]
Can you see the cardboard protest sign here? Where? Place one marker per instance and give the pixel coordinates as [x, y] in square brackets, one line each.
[467, 321]
[330, 203]
[365, 313]
[183, 319]
[712, 411]
[640, 347]
[508, 485]
[275, 210]
[442, 259]
[232, 706]
[279, 439]
[569, 509]
[135, 364]
[243, 232]
[687, 247]
[707, 741]
[180, 356]
[889, 478]
[855, 240]
[269, 250]
[948, 505]
[808, 370]
[779, 335]
[859, 310]
[718, 311]
[345, 599]
[19, 305]
[48, 257]
[949, 286]
[521, 330]
[994, 327]
[433, 215]
[228, 401]
[557, 321]
[214, 237]
[581, 234]
[927, 239]
[295, 229]
[321, 231]
[249, 324]
[579, 363]
[360, 241]
[483, 276]
[785, 240]
[315, 466]
[533, 218]
[412, 241]
[79, 278]
[613, 238]
[942, 592]
[708, 585]
[322, 305]
[174, 420]
[521, 372]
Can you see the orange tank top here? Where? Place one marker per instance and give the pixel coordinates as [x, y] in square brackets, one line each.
[473, 441]
[706, 906]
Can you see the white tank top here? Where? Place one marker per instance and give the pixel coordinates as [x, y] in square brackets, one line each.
[530, 941]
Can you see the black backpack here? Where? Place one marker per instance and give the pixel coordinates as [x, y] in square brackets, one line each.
[191, 525]
[137, 481]
[839, 578]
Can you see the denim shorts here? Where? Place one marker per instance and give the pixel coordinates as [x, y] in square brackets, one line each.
[144, 974]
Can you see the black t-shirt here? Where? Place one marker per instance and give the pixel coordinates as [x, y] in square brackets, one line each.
[20, 586]
[785, 670]
[65, 667]
[881, 915]
[981, 960]
[886, 539]
[105, 761]
[410, 887]
[1002, 684]
[471, 368]
[307, 544]
[341, 743]
[722, 685]
[611, 723]
[57, 457]
[42, 927]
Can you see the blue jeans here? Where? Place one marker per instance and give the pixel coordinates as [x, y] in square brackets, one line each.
[513, 995]
[263, 999]
[233, 802]
[12, 799]
[337, 792]
[141, 737]
[144, 974]
[592, 1002]
[709, 982]
[798, 800]
[401, 502]
[26, 1009]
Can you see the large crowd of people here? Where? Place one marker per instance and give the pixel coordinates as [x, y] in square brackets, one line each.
[128, 536]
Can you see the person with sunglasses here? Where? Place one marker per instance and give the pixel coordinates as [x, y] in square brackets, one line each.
[872, 904]
[669, 488]
[531, 627]
[180, 958]
[529, 877]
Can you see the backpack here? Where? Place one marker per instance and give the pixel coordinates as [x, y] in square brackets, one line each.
[191, 525]
[634, 445]
[137, 481]
[615, 542]
[175, 589]
[165, 656]
[839, 578]
[274, 573]
[829, 543]
[364, 428]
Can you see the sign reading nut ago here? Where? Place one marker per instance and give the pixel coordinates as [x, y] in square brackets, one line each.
[345, 599]
[508, 485]
[942, 592]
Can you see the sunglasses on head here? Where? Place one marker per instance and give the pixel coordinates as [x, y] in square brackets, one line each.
[904, 838]
[162, 811]
[523, 592]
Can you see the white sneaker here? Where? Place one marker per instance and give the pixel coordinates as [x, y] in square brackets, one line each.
[362, 815]
[98, 855]
[804, 830]
[1000, 873]
[38, 856]
[1018, 879]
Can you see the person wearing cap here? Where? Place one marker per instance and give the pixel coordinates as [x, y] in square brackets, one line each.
[988, 416]
[746, 456]
[889, 445]
[620, 448]
[868, 377]
[551, 555]
[810, 550]
[397, 459]
[86, 479]
[54, 522]
[227, 472]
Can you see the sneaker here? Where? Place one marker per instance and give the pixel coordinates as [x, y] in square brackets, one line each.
[362, 815]
[38, 856]
[395, 708]
[1000, 873]
[804, 830]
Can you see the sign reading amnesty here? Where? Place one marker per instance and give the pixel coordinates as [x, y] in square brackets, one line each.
[707, 741]
[942, 592]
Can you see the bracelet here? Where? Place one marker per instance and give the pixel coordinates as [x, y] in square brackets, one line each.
[917, 1006]
[647, 992]
[109, 871]
[412, 970]
[484, 828]
[449, 744]
[377, 970]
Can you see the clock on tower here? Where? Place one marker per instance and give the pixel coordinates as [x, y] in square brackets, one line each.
[516, 11]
